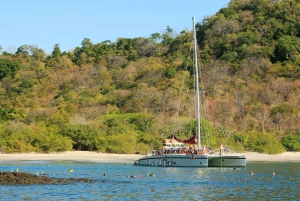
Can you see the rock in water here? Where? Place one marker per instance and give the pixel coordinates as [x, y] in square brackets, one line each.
[8, 178]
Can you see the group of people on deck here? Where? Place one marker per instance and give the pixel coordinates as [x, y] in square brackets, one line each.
[223, 149]
[187, 151]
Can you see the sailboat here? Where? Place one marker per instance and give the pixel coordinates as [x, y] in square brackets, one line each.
[174, 153]
[222, 157]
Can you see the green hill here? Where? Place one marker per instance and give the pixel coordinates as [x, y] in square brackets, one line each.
[125, 96]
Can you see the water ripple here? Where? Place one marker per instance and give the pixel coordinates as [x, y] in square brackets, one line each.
[168, 183]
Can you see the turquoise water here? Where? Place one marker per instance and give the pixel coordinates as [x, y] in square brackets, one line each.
[168, 183]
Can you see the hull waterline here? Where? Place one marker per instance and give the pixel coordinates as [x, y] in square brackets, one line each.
[231, 160]
[174, 160]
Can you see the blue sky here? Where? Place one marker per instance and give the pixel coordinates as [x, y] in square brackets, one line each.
[46, 23]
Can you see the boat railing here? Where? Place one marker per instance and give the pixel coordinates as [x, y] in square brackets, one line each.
[223, 151]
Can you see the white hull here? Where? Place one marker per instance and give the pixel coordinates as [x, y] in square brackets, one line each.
[174, 160]
[228, 160]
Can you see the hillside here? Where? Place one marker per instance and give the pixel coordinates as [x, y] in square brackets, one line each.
[124, 97]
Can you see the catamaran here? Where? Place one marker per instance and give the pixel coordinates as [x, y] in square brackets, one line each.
[174, 153]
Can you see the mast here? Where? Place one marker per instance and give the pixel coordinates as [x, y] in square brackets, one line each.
[197, 84]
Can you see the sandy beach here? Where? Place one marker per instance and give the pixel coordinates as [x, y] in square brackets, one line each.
[88, 156]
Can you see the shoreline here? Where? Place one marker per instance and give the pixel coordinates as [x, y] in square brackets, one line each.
[89, 156]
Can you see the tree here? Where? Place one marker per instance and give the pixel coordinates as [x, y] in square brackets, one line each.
[37, 53]
[23, 50]
[87, 45]
[288, 47]
[263, 143]
[56, 51]
[171, 72]
[156, 37]
[84, 136]
[291, 142]
[8, 68]
[168, 36]
[146, 47]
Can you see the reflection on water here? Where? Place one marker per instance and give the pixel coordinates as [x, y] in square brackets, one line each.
[167, 184]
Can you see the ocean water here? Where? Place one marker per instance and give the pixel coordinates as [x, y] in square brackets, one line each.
[167, 184]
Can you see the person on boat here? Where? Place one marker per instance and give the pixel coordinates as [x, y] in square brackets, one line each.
[181, 151]
[251, 173]
[226, 149]
[209, 150]
[204, 149]
[274, 173]
[221, 149]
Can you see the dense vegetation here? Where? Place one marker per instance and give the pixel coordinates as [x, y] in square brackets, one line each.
[125, 96]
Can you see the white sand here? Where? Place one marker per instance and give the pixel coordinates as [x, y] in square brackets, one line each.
[284, 157]
[87, 156]
[84, 156]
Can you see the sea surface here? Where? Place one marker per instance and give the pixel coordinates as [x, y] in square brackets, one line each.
[165, 184]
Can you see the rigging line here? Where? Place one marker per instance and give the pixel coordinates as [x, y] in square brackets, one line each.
[204, 126]
[207, 122]
[208, 138]
[206, 90]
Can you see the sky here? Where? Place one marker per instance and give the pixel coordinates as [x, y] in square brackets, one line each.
[67, 22]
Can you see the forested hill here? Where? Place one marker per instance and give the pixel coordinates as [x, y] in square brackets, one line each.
[125, 96]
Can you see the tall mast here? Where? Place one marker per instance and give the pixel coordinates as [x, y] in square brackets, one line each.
[197, 84]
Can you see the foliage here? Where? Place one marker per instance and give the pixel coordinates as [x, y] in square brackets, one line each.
[8, 68]
[139, 122]
[291, 142]
[83, 136]
[263, 143]
[170, 73]
[17, 137]
[283, 109]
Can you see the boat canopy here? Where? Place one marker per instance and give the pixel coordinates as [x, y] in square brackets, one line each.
[192, 140]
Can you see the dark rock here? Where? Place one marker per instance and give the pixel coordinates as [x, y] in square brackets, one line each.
[7, 178]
